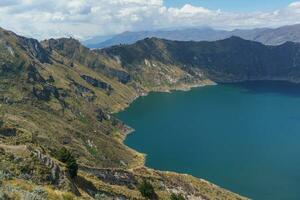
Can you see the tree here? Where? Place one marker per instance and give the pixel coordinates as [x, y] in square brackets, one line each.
[147, 190]
[65, 156]
[177, 197]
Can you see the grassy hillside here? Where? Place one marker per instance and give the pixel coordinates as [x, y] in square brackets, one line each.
[58, 94]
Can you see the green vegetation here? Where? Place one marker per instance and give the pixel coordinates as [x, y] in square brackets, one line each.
[3, 196]
[66, 157]
[93, 151]
[51, 94]
[147, 190]
[230, 60]
[177, 197]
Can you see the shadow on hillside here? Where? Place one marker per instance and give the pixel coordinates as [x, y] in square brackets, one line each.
[86, 186]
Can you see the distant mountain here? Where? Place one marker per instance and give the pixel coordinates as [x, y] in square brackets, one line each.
[264, 35]
[180, 35]
[94, 41]
[269, 36]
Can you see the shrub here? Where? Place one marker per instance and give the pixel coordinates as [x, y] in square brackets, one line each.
[4, 176]
[147, 190]
[66, 157]
[100, 196]
[3, 196]
[177, 197]
[39, 193]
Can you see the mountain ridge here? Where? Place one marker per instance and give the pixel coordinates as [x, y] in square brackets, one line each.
[269, 36]
[244, 59]
[58, 94]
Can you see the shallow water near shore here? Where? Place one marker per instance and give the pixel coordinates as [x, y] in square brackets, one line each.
[244, 137]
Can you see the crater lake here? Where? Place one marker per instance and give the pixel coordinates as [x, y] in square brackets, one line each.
[244, 137]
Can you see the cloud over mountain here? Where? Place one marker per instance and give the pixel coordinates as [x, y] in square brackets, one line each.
[84, 18]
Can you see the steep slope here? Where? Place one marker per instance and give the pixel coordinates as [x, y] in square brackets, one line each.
[152, 65]
[228, 60]
[58, 94]
[73, 50]
[267, 36]
[62, 103]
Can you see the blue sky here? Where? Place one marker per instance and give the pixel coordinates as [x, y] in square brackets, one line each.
[233, 5]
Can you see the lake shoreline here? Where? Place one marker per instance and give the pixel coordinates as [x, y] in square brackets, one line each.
[250, 95]
[184, 88]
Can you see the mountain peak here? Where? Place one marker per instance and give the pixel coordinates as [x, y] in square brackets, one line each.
[61, 43]
[23, 46]
[236, 38]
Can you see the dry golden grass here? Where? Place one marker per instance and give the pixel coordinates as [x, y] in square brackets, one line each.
[48, 124]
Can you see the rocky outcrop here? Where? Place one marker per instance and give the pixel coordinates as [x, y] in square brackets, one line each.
[8, 132]
[45, 93]
[31, 46]
[34, 49]
[73, 50]
[83, 91]
[97, 83]
[6, 100]
[34, 75]
[113, 176]
[57, 175]
[122, 76]
[101, 115]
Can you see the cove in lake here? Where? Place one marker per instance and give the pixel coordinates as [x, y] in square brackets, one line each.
[244, 137]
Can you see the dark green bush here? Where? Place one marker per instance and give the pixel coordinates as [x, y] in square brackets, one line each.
[177, 197]
[147, 190]
[65, 156]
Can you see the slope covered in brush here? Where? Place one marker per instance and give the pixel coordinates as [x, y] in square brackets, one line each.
[228, 60]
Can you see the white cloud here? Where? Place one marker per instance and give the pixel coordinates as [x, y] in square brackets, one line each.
[84, 18]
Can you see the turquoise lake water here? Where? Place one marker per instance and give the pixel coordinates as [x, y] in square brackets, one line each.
[244, 137]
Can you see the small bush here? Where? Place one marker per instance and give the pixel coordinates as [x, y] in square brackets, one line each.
[40, 192]
[177, 197]
[66, 157]
[3, 196]
[100, 196]
[4, 176]
[147, 190]
[67, 196]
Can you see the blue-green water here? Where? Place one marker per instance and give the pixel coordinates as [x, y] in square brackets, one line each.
[243, 137]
